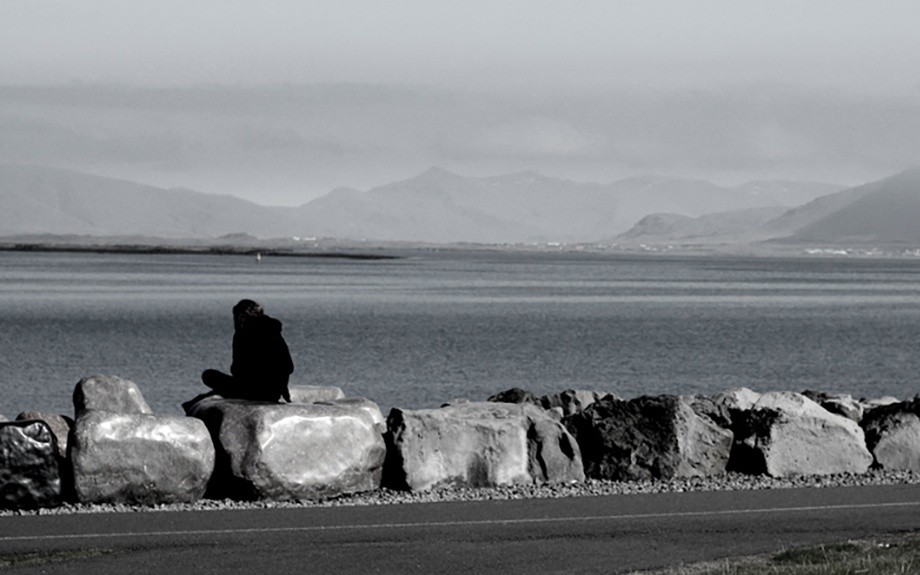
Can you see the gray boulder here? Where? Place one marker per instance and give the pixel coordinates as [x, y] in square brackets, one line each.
[60, 426]
[736, 402]
[315, 393]
[478, 444]
[570, 401]
[893, 436]
[139, 458]
[659, 437]
[788, 434]
[839, 403]
[291, 451]
[109, 393]
[737, 398]
[708, 407]
[30, 467]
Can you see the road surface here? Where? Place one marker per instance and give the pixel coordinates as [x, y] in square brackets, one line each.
[609, 534]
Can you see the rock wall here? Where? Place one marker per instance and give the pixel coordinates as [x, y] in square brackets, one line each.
[115, 449]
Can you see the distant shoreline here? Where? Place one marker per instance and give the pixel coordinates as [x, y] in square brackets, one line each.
[190, 250]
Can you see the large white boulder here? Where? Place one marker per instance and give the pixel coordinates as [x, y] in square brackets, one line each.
[788, 434]
[478, 444]
[291, 451]
[140, 458]
[363, 404]
[30, 467]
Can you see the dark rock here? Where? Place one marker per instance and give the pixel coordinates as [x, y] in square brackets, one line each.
[839, 403]
[570, 401]
[139, 458]
[109, 393]
[648, 438]
[30, 467]
[478, 444]
[869, 405]
[60, 426]
[514, 395]
[718, 412]
[291, 451]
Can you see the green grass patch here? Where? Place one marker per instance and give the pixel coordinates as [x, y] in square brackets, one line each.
[889, 556]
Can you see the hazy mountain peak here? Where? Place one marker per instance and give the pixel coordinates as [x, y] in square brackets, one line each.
[436, 174]
[654, 224]
[880, 212]
[650, 181]
[344, 191]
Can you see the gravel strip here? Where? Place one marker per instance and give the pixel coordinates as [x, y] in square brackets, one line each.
[591, 487]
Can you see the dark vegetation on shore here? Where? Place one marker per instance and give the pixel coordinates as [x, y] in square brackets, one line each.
[892, 554]
[210, 250]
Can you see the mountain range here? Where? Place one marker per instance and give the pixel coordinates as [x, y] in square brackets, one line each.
[436, 206]
[881, 213]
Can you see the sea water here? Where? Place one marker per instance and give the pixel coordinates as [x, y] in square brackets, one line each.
[431, 326]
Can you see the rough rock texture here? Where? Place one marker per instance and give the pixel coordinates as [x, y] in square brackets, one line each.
[571, 401]
[715, 410]
[315, 393]
[658, 437]
[291, 451]
[893, 436]
[30, 467]
[786, 434]
[839, 403]
[514, 395]
[740, 398]
[60, 426]
[109, 393]
[362, 403]
[478, 444]
[140, 458]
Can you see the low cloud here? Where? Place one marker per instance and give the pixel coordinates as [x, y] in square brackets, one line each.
[288, 144]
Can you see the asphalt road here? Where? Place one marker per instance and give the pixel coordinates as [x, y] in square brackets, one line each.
[610, 534]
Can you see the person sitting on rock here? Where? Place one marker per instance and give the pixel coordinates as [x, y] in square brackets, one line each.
[261, 360]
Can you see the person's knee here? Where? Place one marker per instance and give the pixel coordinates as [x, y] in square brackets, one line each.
[215, 379]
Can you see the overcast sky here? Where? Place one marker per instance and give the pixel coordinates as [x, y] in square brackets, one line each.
[548, 55]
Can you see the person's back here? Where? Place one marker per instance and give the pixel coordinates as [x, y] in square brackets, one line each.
[261, 359]
[262, 363]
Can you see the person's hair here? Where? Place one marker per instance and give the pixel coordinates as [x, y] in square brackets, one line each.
[244, 310]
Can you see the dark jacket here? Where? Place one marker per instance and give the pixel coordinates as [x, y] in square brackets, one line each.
[261, 359]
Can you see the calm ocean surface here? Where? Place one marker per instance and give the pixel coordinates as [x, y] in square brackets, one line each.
[417, 331]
